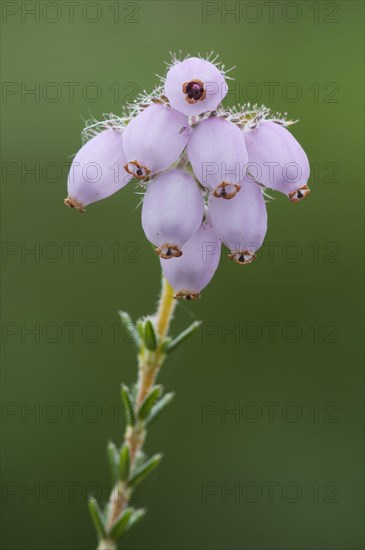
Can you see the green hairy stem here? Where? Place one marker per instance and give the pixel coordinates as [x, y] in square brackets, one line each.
[143, 404]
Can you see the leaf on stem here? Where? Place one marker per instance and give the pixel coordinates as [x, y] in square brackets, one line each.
[160, 407]
[129, 327]
[97, 517]
[149, 336]
[124, 463]
[145, 469]
[128, 405]
[149, 401]
[120, 525]
[140, 328]
[184, 335]
[113, 458]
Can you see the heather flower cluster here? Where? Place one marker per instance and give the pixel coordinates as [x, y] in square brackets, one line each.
[203, 170]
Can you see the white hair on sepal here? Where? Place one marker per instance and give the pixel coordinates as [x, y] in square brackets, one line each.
[144, 100]
[211, 57]
[93, 127]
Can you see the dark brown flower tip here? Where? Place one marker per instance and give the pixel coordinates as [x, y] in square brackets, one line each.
[187, 295]
[73, 203]
[194, 91]
[137, 170]
[167, 251]
[242, 257]
[299, 194]
[222, 192]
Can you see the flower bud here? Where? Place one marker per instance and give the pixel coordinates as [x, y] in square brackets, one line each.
[97, 170]
[217, 153]
[276, 160]
[241, 223]
[154, 140]
[172, 211]
[194, 86]
[192, 272]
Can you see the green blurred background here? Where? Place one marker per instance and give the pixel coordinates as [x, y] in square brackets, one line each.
[309, 374]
